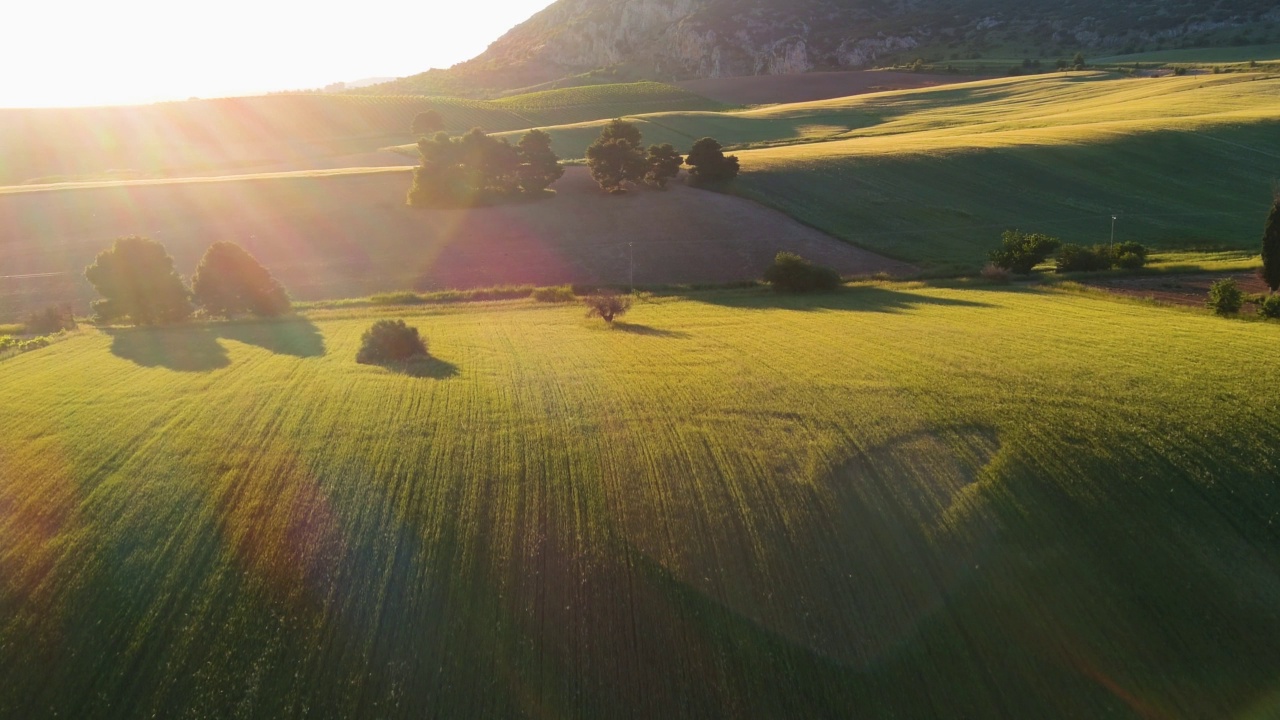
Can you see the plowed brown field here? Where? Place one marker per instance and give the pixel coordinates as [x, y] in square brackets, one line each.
[350, 234]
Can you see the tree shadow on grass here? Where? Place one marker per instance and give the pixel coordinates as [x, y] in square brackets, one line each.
[186, 349]
[295, 336]
[427, 367]
[856, 299]
[638, 329]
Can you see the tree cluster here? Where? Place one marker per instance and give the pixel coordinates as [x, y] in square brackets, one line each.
[476, 167]
[138, 283]
[793, 274]
[618, 158]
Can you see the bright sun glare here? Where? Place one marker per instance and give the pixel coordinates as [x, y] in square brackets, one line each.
[83, 52]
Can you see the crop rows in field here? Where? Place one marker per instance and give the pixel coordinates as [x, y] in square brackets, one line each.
[895, 500]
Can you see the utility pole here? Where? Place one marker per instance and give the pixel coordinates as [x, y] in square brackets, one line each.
[631, 256]
[1113, 231]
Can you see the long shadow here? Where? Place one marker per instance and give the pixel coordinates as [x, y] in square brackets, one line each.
[295, 336]
[858, 299]
[428, 367]
[638, 329]
[187, 349]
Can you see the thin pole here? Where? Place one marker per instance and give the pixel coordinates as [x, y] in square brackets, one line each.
[631, 254]
[1113, 231]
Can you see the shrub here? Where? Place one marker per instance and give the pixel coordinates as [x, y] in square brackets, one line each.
[1270, 273]
[1019, 251]
[1225, 297]
[607, 306]
[708, 165]
[229, 281]
[1269, 307]
[52, 319]
[1129, 255]
[560, 293]
[1078, 258]
[136, 279]
[995, 274]
[390, 341]
[792, 273]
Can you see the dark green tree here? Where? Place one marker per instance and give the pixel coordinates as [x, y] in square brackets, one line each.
[539, 165]
[664, 165]
[229, 281]
[1078, 62]
[615, 158]
[1020, 252]
[457, 171]
[709, 165]
[619, 129]
[427, 122]
[1271, 248]
[136, 280]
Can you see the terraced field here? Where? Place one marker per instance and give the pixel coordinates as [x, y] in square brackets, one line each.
[897, 500]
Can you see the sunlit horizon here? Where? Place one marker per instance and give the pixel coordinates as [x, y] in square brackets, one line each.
[81, 54]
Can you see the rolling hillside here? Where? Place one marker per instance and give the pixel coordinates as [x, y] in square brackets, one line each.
[932, 176]
[894, 501]
[278, 132]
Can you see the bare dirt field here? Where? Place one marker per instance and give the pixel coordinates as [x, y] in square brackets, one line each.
[768, 89]
[351, 235]
[1190, 290]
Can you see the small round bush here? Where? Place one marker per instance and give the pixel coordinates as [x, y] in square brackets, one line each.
[792, 273]
[1078, 258]
[390, 341]
[1225, 297]
[1269, 307]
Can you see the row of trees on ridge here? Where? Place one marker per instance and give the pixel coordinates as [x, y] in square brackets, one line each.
[618, 158]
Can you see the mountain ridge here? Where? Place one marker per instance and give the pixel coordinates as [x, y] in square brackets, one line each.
[672, 40]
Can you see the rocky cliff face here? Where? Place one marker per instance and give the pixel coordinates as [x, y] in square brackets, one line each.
[670, 39]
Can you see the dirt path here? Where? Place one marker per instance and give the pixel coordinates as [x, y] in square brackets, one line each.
[1189, 290]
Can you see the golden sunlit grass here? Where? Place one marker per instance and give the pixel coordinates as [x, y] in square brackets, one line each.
[894, 500]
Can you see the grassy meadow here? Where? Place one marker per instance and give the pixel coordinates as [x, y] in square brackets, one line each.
[897, 500]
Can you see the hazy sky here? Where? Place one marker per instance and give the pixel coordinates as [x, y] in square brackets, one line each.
[96, 52]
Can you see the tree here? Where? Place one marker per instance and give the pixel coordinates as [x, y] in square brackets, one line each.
[427, 122]
[229, 281]
[615, 158]
[539, 165]
[792, 273]
[457, 171]
[1225, 297]
[1019, 251]
[664, 164]
[1271, 248]
[709, 165]
[607, 305]
[390, 341]
[136, 279]
[1077, 62]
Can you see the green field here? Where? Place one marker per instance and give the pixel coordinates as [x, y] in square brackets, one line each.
[897, 500]
[593, 102]
[933, 176]
[1218, 55]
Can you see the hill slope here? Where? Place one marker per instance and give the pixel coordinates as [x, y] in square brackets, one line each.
[933, 176]
[894, 501]
[679, 39]
[277, 132]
